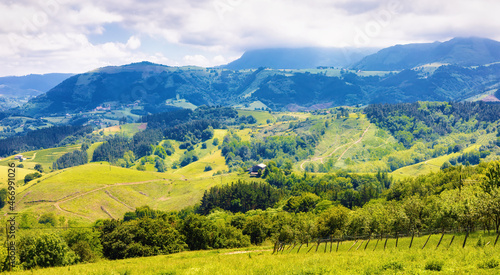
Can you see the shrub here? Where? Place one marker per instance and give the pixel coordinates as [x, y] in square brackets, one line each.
[208, 168]
[434, 265]
[394, 265]
[85, 243]
[488, 264]
[44, 250]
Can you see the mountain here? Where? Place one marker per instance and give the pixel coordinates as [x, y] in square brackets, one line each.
[30, 85]
[154, 88]
[303, 58]
[458, 51]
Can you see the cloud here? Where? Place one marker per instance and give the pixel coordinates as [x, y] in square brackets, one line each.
[133, 43]
[53, 35]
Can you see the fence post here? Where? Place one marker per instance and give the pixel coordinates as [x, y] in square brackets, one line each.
[496, 240]
[427, 240]
[412, 236]
[274, 249]
[369, 238]
[385, 244]
[452, 238]
[466, 235]
[376, 244]
[397, 238]
[294, 245]
[317, 246]
[338, 242]
[362, 241]
[301, 244]
[331, 243]
[442, 235]
[355, 242]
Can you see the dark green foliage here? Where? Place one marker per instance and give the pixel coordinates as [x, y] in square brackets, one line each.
[188, 158]
[409, 122]
[38, 167]
[202, 233]
[160, 165]
[488, 264]
[44, 250]
[75, 158]
[140, 238]
[304, 203]
[32, 176]
[48, 218]
[434, 265]
[256, 228]
[290, 147]
[208, 168]
[111, 150]
[39, 139]
[3, 197]
[85, 242]
[240, 197]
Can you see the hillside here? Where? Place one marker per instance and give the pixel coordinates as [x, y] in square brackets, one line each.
[458, 51]
[305, 58]
[128, 91]
[406, 143]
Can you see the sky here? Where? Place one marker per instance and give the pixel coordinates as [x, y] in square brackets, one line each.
[75, 36]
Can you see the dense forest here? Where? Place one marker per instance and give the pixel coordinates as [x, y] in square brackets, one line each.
[40, 139]
[410, 122]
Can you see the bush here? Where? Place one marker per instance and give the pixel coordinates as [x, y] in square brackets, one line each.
[85, 243]
[488, 264]
[208, 168]
[434, 265]
[48, 218]
[394, 265]
[32, 176]
[44, 250]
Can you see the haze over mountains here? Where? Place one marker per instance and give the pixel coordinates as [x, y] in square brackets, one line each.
[304, 58]
[292, 80]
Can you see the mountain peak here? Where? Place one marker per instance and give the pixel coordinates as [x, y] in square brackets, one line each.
[463, 51]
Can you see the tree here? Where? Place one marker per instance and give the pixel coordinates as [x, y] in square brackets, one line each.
[44, 250]
[85, 243]
[256, 228]
[39, 168]
[160, 165]
[333, 221]
[492, 180]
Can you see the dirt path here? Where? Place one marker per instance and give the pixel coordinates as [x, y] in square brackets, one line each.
[356, 142]
[119, 201]
[58, 206]
[333, 152]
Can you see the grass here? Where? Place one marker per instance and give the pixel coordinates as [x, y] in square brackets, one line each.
[260, 260]
[260, 116]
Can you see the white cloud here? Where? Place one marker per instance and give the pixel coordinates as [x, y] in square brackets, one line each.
[53, 35]
[133, 43]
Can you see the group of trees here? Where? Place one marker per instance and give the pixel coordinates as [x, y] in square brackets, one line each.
[240, 197]
[293, 147]
[409, 122]
[302, 209]
[39, 139]
[186, 126]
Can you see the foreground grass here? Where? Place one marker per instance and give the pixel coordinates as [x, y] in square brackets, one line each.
[259, 260]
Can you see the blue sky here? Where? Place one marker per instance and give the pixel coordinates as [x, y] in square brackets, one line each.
[70, 36]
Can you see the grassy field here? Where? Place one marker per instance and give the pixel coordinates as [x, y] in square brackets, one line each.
[259, 260]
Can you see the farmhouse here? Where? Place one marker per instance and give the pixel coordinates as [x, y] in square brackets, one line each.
[254, 171]
[19, 157]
